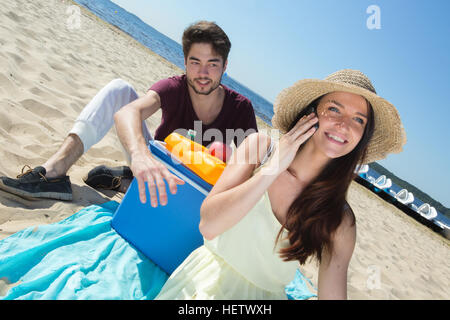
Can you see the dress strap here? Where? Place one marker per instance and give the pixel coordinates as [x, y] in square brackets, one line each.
[269, 152]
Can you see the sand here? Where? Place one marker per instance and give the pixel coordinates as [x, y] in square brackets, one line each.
[49, 72]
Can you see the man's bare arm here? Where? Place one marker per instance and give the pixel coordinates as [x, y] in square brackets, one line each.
[128, 121]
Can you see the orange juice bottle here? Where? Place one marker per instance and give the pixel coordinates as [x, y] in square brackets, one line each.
[196, 157]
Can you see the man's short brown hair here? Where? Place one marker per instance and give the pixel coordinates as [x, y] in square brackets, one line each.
[206, 32]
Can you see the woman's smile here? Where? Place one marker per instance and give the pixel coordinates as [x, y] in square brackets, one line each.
[335, 138]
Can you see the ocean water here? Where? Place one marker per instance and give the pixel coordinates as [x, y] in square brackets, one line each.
[172, 51]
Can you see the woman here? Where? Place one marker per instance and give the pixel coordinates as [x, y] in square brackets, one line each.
[260, 224]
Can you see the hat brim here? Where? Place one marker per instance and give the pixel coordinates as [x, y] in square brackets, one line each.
[388, 137]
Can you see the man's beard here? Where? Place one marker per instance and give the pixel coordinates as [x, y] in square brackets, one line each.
[214, 85]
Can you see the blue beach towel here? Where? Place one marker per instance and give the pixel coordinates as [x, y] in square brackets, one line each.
[80, 257]
[297, 288]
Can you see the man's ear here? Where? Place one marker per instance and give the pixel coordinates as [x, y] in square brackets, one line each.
[225, 66]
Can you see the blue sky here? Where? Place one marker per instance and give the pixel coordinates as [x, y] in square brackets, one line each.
[276, 43]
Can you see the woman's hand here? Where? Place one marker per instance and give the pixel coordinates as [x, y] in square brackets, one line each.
[238, 188]
[286, 149]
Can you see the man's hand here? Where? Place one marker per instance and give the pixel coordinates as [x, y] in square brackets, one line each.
[147, 169]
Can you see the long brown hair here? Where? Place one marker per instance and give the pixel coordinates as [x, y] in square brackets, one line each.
[318, 211]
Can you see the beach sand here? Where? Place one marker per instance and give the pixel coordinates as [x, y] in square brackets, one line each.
[49, 72]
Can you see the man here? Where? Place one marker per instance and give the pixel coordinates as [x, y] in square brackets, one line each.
[196, 96]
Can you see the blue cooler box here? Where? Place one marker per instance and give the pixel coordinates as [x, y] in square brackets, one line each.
[166, 234]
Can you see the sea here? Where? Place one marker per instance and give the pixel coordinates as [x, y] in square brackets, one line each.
[172, 51]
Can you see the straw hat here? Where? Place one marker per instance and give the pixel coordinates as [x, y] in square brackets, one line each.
[388, 136]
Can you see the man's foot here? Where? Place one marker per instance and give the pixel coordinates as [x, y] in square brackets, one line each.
[34, 184]
[109, 178]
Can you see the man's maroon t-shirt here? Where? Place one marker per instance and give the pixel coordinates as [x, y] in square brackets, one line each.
[178, 112]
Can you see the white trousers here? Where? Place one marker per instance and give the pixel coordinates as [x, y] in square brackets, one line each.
[97, 117]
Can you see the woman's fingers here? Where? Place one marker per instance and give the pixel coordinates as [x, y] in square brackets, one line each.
[302, 130]
[303, 125]
[299, 123]
[291, 141]
[301, 138]
[297, 126]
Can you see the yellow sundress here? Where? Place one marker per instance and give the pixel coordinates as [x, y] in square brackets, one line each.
[241, 263]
